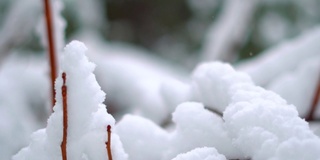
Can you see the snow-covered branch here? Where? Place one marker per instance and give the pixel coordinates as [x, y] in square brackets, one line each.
[226, 35]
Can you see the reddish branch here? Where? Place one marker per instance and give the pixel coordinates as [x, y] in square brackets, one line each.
[315, 102]
[108, 143]
[52, 58]
[65, 118]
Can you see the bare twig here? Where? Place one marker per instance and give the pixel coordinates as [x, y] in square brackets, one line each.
[314, 103]
[108, 143]
[51, 46]
[65, 118]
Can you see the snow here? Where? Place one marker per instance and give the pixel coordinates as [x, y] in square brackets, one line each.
[192, 120]
[292, 85]
[273, 28]
[21, 113]
[21, 13]
[263, 125]
[131, 72]
[260, 123]
[229, 31]
[211, 81]
[87, 116]
[283, 58]
[290, 69]
[175, 92]
[204, 153]
[142, 139]
[256, 123]
[217, 112]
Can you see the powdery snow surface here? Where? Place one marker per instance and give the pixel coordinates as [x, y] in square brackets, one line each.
[198, 127]
[146, 140]
[256, 123]
[290, 69]
[211, 84]
[131, 72]
[87, 116]
[204, 153]
[261, 124]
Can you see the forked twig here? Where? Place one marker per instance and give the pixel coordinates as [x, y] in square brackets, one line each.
[65, 118]
[108, 143]
[51, 46]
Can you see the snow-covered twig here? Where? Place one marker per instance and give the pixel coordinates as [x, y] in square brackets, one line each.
[227, 33]
[282, 58]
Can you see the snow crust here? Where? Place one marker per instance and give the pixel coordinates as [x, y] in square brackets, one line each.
[87, 116]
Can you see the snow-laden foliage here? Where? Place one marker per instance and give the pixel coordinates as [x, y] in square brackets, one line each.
[87, 116]
[290, 69]
[256, 123]
[282, 58]
[261, 124]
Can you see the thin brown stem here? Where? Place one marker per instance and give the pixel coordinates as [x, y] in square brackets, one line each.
[314, 104]
[65, 118]
[108, 143]
[51, 46]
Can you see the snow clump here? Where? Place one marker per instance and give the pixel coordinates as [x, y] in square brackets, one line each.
[87, 116]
